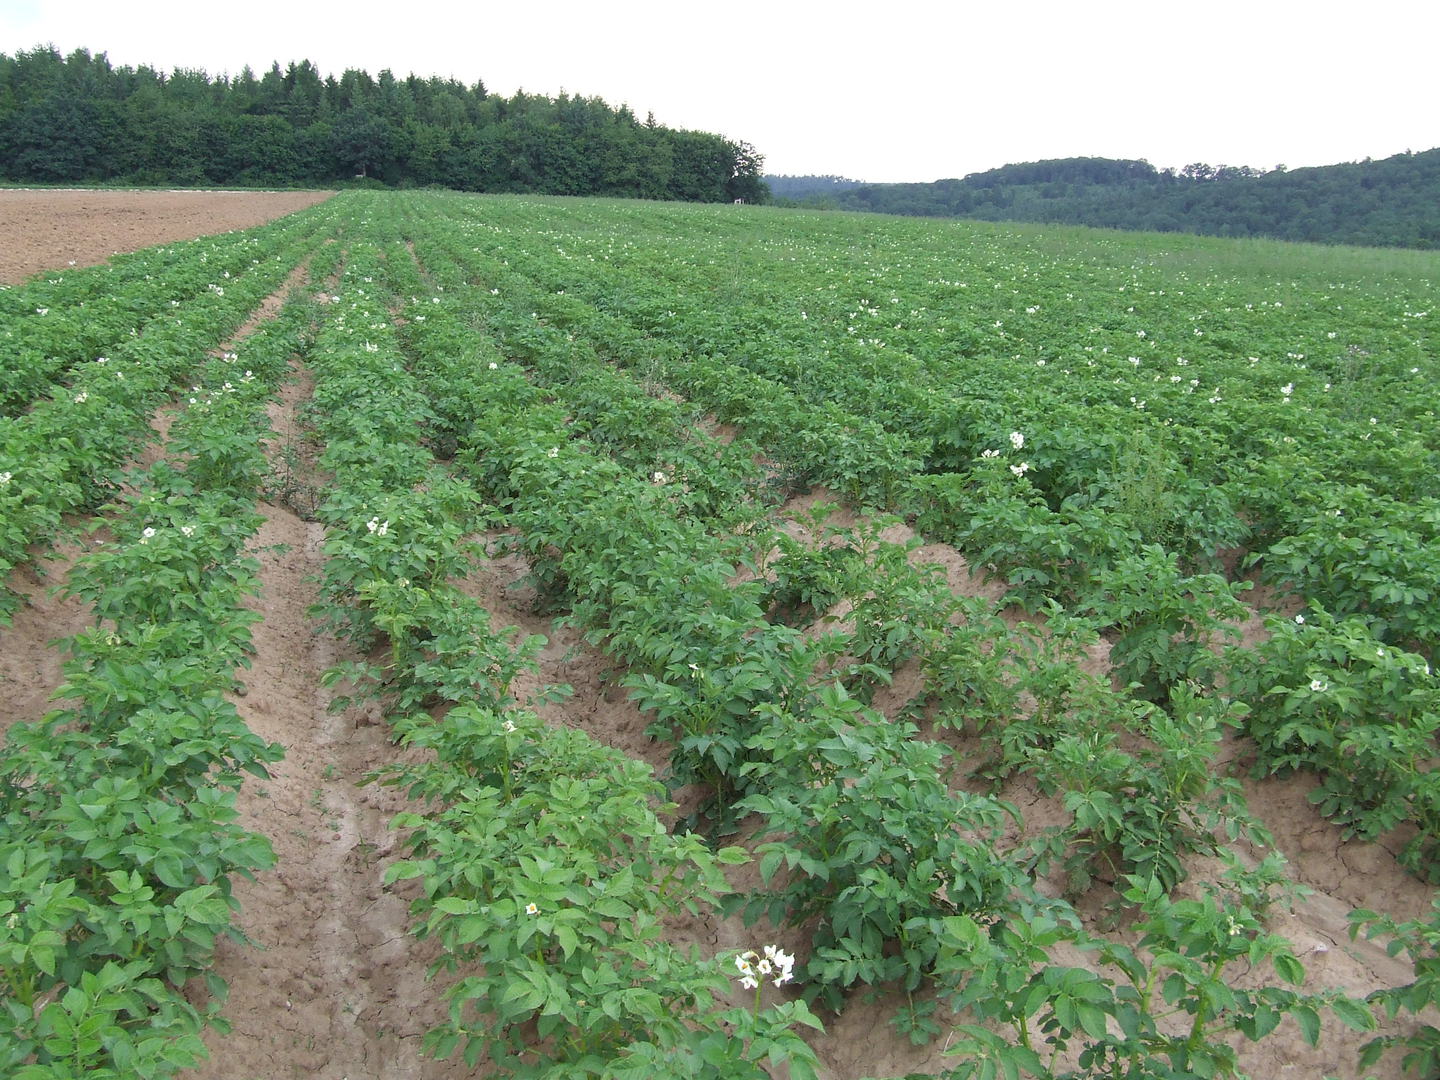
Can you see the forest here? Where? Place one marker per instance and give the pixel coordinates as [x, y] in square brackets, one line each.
[1394, 202]
[80, 119]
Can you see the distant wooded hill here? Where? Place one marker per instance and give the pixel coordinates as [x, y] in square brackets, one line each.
[78, 119]
[808, 187]
[1394, 202]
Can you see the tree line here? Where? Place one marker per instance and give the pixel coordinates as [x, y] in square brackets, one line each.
[1394, 202]
[79, 119]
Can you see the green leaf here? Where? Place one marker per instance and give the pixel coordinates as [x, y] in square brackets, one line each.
[523, 991]
[567, 940]
[1092, 1020]
[211, 912]
[1356, 1015]
[400, 871]
[1371, 1052]
[44, 959]
[1264, 1022]
[612, 908]
[170, 870]
[800, 1014]
[455, 905]
[715, 1052]
[1289, 968]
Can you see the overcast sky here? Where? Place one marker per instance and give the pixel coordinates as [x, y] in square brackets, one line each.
[880, 91]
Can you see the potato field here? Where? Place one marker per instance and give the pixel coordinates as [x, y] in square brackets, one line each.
[529, 637]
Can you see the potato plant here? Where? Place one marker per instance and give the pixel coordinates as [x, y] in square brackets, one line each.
[121, 837]
[1118, 432]
[545, 871]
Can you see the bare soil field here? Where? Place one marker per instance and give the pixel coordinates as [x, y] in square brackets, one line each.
[47, 229]
[336, 989]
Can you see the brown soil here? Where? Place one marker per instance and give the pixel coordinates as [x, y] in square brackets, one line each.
[337, 989]
[43, 229]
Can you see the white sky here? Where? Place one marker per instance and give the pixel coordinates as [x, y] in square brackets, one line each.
[879, 91]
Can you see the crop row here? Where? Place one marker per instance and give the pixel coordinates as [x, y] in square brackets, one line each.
[809, 443]
[977, 669]
[1117, 517]
[870, 839]
[120, 838]
[54, 324]
[64, 453]
[557, 358]
[1209, 449]
[790, 293]
[545, 874]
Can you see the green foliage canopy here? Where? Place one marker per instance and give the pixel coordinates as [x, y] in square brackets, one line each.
[78, 119]
[1389, 203]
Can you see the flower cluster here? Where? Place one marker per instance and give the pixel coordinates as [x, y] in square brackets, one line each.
[377, 527]
[774, 964]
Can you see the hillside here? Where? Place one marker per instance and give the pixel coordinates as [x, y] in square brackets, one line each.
[1394, 202]
[806, 188]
